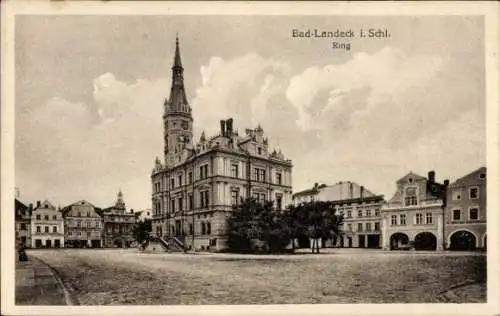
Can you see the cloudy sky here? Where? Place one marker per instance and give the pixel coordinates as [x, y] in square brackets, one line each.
[90, 92]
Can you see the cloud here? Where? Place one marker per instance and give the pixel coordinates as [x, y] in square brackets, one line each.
[238, 88]
[88, 151]
[385, 75]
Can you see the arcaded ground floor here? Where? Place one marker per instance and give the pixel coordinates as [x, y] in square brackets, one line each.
[126, 276]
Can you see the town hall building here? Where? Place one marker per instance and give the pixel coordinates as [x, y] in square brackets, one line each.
[198, 182]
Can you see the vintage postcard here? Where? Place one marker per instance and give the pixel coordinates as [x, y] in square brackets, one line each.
[247, 158]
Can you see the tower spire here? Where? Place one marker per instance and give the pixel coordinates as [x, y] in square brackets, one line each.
[178, 100]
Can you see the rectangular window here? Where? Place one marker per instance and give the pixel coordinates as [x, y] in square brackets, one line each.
[54, 217]
[54, 229]
[38, 229]
[360, 227]
[180, 180]
[204, 172]
[190, 198]
[410, 196]
[234, 170]
[377, 212]
[394, 220]
[259, 175]
[235, 197]
[190, 229]
[172, 205]
[23, 226]
[46, 229]
[402, 219]
[428, 218]
[360, 213]
[474, 193]
[38, 217]
[190, 177]
[46, 217]
[419, 219]
[172, 183]
[368, 227]
[179, 202]
[349, 214]
[349, 227]
[368, 213]
[474, 213]
[457, 214]
[69, 233]
[278, 178]
[377, 226]
[204, 199]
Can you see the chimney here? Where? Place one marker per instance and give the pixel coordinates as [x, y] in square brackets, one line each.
[38, 204]
[31, 206]
[446, 182]
[361, 191]
[229, 127]
[316, 185]
[432, 176]
[223, 128]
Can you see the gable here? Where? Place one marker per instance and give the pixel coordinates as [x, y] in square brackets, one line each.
[473, 178]
[411, 176]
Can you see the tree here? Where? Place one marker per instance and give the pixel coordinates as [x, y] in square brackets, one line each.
[318, 220]
[251, 220]
[142, 231]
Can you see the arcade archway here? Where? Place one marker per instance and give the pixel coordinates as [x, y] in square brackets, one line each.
[425, 241]
[462, 240]
[399, 241]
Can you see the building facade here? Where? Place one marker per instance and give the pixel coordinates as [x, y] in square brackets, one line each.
[47, 226]
[23, 224]
[118, 224]
[414, 216]
[465, 215]
[83, 225]
[196, 186]
[359, 207]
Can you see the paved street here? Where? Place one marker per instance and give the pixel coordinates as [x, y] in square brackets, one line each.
[102, 277]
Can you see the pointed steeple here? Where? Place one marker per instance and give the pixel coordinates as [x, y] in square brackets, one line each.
[177, 101]
[177, 58]
[120, 203]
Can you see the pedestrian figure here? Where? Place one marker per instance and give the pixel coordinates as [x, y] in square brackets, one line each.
[23, 258]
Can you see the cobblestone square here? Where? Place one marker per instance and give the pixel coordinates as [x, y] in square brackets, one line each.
[108, 277]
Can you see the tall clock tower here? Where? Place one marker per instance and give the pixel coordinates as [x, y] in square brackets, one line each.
[178, 119]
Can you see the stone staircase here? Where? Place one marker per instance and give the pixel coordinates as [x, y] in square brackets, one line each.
[159, 244]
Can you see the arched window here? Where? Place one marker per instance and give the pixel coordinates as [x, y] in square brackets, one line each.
[203, 228]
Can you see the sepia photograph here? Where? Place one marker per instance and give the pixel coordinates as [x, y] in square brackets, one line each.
[176, 158]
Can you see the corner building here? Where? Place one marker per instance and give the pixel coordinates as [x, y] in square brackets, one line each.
[196, 186]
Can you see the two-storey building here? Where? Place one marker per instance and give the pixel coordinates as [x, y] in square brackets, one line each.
[196, 186]
[465, 216]
[414, 216]
[83, 225]
[47, 226]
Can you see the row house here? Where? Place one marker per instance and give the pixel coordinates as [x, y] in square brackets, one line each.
[413, 217]
[118, 224]
[465, 214]
[426, 215]
[359, 207]
[197, 185]
[83, 225]
[47, 226]
[23, 224]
